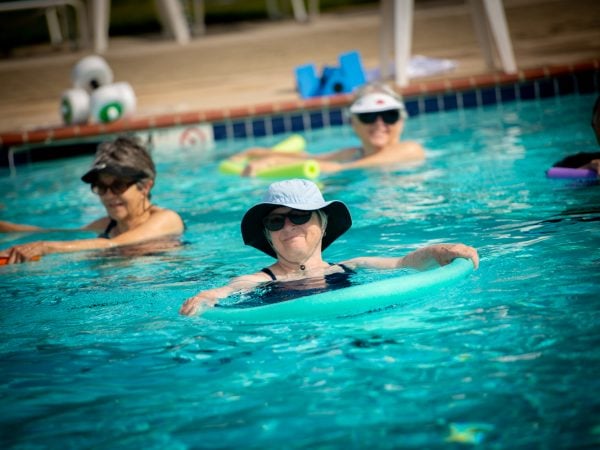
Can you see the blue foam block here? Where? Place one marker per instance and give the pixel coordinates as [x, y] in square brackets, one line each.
[307, 82]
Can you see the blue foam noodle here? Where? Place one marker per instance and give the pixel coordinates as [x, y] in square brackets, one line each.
[349, 301]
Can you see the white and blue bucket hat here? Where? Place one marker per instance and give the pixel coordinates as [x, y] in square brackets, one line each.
[303, 195]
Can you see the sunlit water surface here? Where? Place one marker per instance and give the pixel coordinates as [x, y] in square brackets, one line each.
[93, 353]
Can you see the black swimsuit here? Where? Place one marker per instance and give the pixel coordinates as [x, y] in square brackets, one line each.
[577, 160]
[106, 233]
[281, 291]
[274, 278]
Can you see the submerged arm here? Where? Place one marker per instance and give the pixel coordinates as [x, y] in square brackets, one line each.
[210, 297]
[11, 227]
[161, 224]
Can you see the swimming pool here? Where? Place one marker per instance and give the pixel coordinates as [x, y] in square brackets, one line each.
[94, 355]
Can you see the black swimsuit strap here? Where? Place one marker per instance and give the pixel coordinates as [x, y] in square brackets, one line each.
[346, 268]
[274, 278]
[269, 272]
[111, 225]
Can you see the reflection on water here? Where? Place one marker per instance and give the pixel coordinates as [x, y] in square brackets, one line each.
[283, 291]
[93, 353]
[147, 248]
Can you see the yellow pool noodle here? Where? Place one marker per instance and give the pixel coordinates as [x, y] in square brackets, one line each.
[309, 169]
[303, 169]
[292, 144]
[229, 167]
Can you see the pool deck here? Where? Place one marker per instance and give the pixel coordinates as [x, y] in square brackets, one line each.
[248, 68]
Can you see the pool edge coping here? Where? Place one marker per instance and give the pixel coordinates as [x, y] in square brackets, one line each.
[58, 133]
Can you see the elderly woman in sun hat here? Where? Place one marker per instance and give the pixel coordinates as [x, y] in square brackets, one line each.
[377, 116]
[122, 176]
[294, 224]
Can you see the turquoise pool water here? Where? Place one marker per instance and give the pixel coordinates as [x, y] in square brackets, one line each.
[94, 355]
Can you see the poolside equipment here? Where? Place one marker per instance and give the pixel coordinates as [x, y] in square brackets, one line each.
[112, 102]
[295, 143]
[75, 106]
[349, 301]
[567, 172]
[333, 80]
[94, 96]
[91, 72]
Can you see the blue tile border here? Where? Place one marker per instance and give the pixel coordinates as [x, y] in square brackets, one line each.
[300, 116]
[584, 82]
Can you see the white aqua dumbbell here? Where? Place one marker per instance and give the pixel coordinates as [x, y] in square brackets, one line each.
[91, 72]
[112, 102]
[75, 106]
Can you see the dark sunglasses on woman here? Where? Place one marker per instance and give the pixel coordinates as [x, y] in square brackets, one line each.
[275, 222]
[389, 117]
[117, 187]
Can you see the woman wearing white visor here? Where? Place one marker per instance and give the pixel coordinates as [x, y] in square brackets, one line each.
[377, 117]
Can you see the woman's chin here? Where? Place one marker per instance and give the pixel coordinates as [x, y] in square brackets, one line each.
[379, 142]
[117, 212]
[295, 253]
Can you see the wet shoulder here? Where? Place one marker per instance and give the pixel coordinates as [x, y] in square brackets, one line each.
[168, 217]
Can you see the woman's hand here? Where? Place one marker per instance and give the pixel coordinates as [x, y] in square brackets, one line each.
[438, 255]
[594, 164]
[254, 167]
[446, 253]
[250, 153]
[192, 305]
[26, 252]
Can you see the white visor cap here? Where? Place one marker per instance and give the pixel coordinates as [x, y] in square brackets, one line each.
[375, 102]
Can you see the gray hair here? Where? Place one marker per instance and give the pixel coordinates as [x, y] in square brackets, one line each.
[127, 151]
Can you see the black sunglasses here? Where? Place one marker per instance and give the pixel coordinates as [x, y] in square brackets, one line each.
[389, 117]
[117, 187]
[275, 222]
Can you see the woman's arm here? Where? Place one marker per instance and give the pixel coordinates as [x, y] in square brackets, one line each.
[11, 227]
[162, 223]
[34, 250]
[210, 297]
[594, 164]
[421, 259]
[405, 152]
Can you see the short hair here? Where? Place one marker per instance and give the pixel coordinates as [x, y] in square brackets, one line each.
[127, 151]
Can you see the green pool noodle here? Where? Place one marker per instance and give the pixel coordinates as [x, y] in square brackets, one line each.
[352, 300]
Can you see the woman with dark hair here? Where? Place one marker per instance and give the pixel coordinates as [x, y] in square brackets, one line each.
[122, 175]
[586, 160]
